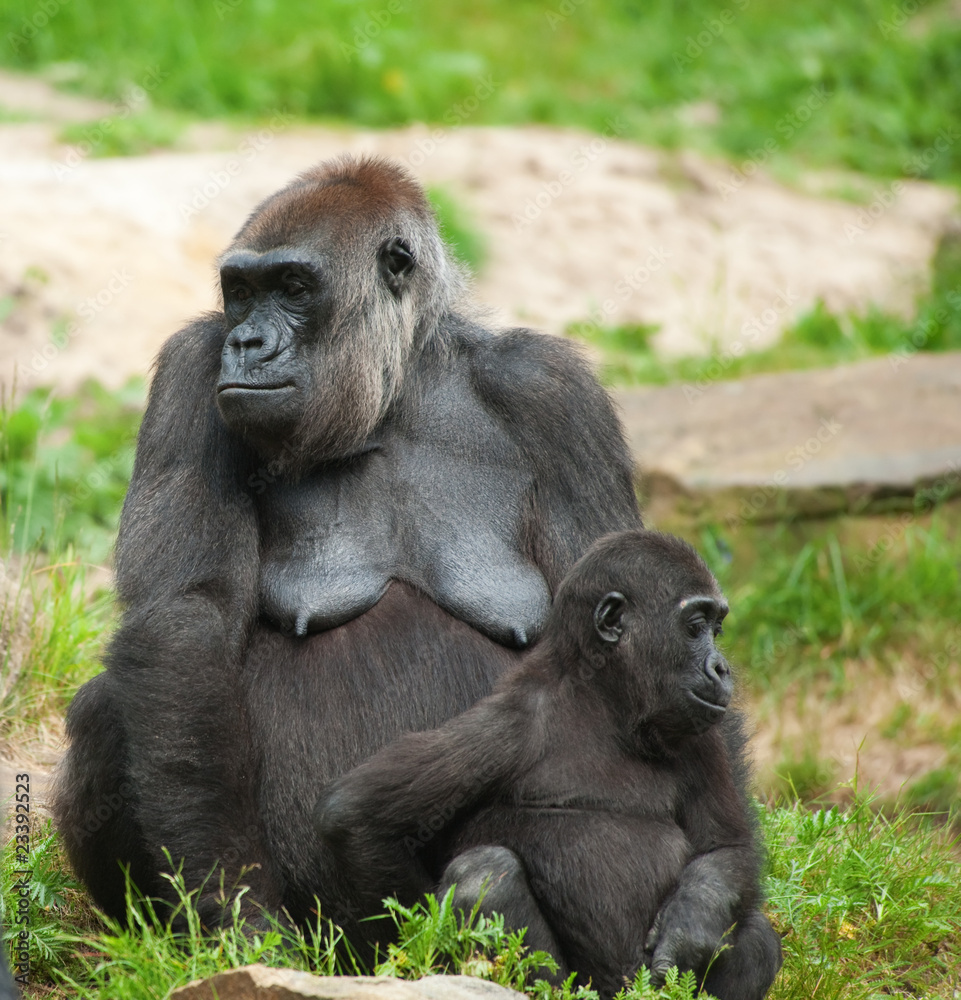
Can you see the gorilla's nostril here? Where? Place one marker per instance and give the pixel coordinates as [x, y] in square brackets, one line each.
[717, 667]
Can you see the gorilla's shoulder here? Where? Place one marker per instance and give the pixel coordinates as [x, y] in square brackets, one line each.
[552, 404]
[201, 339]
[524, 369]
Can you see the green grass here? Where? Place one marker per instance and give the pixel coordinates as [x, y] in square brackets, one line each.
[867, 906]
[822, 83]
[817, 340]
[64, 466]
[56, 644]
[127, 133]
[810, 597]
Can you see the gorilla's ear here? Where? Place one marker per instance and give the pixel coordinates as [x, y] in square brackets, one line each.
[396, 261]
[607, 616]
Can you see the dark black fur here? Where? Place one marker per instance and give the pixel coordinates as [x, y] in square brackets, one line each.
[350, 508]
[599, 791]
[8, 991]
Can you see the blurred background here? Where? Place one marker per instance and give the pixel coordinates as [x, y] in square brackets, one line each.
[746, 211]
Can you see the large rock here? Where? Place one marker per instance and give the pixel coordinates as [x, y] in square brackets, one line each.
[812, 442]
[258, 982]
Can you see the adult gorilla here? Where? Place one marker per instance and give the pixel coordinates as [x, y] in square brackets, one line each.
[350, 508]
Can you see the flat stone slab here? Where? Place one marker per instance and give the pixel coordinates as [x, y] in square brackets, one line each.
[838, 437]
[259, 982]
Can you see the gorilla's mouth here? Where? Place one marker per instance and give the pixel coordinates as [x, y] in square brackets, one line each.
[247, 387]
[711, 708]
[253, 408]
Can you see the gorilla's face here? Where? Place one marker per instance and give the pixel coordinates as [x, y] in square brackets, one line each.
[328, 289]
[317, 342]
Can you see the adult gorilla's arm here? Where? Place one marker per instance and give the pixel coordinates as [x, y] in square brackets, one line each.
[187, 561]
[565, 423]
[719, 884]
[380, 818]
[187, 525]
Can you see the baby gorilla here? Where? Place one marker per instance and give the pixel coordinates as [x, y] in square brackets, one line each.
[596, 798]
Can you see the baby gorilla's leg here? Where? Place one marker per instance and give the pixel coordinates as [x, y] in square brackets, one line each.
[496, 877]
[747, 968]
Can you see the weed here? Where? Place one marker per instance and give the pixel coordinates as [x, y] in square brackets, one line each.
[434, 937]
[868, 904]
[55, 900]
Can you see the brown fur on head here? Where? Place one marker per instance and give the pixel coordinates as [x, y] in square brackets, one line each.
[356, 342]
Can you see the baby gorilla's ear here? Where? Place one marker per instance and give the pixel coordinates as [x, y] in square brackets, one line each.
[608, 617]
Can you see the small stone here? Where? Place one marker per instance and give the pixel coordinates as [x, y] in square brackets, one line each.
[462, 988]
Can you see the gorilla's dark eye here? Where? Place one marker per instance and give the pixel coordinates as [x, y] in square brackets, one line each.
[695, 626]
[294, 286]
[718, 630]
[240, 293]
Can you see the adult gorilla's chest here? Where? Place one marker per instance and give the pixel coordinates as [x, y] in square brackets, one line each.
[438, 501]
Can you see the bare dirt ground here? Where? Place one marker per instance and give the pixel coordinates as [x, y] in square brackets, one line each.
[579, 226]
[105, 258]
